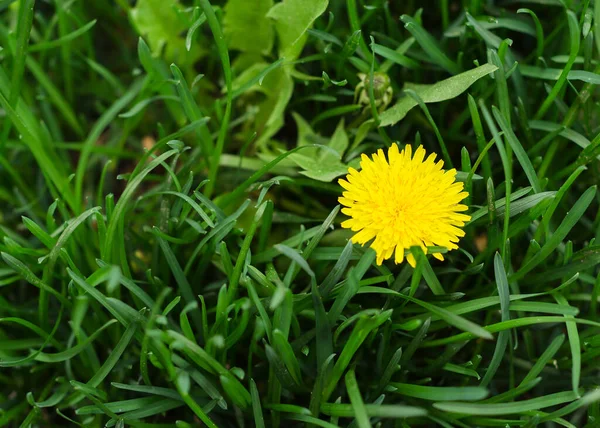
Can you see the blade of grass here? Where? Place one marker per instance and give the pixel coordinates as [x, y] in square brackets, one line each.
[358, 405]
[507, 408]
[451, 318]
[575, 346]
[547, 355]
[518, 150]
[24, 24]
[574, 51]
[503, 337]
[64, 39]
[429, 45]
[104, 121]
[565, 227]
[215, 28]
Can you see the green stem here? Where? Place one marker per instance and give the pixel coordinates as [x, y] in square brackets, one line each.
[24, 24]
[215, 28]
[355, 26]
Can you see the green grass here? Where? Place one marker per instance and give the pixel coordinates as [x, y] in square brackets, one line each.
[171, 248]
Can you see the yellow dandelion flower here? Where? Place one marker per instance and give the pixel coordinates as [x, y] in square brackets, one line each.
[403, 201]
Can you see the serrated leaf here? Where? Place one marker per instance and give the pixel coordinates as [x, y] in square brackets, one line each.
[292, 19]
[320, 164]
[247, 27]
[338, 142]
[162, 24]
[326, 173]
[279, 87]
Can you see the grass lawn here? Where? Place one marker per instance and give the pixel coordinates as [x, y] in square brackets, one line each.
[177, 249]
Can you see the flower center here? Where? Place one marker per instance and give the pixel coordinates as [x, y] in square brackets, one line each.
[399, 212]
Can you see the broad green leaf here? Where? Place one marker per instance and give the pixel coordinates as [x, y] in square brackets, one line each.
[163, 23]
[306, 135]
[275, 86]
[321, 171]
[338, 142]
[440, 91]
[279, 86]
[319, 164]
[292, 20]
[247, 27]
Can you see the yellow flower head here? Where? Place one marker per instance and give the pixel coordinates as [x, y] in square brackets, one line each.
[402, 202]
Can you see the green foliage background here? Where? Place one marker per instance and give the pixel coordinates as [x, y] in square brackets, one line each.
[171, 249]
